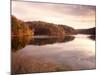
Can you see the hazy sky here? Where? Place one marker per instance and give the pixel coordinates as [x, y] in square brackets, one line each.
[77, 16]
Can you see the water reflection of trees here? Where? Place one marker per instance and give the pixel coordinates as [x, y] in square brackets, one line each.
[21, 42]
[52, 40]
[92, 37]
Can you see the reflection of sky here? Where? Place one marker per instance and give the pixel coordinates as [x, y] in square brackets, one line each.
[78, 53]
[78, 16]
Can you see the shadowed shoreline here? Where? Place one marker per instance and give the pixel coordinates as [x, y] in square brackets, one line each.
[21, 42]
[93, 37]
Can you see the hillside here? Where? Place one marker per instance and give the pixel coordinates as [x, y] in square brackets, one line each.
[19, 28]
[50, 29]
[68, 30]
[91, 31]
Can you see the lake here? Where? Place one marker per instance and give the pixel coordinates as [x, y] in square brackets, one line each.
[50, 54]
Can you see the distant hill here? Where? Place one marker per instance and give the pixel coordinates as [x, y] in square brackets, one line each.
[20, 28]
[91, 31]
[44, 28]
[68, 30]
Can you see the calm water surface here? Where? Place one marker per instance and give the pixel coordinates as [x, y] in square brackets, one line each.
[44, 54]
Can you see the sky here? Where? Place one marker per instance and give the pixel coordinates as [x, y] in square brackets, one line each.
[76, 16]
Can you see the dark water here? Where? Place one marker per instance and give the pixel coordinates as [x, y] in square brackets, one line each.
[47, 54]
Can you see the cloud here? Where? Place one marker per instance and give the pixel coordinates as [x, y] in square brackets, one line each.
[71, 14]
[77, 10]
